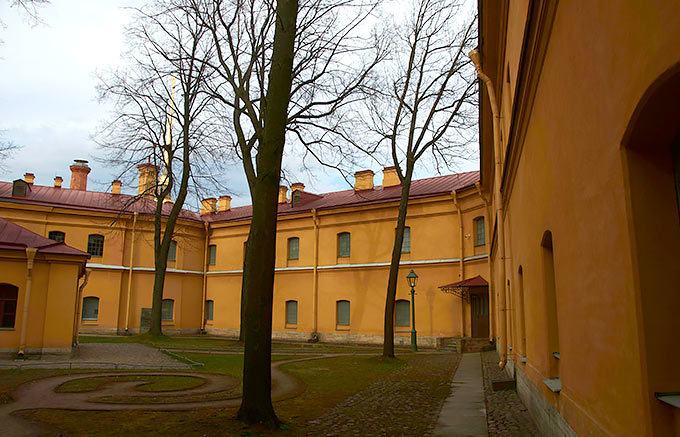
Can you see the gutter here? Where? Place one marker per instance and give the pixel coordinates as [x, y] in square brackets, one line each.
[461, 247]
[30, 257]
[206, 225]
[315, 279]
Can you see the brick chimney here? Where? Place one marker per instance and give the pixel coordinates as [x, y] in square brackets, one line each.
[390, 177]
[224, 204]
[57, 181]
[115, 186]
[208, 205]
[148, 177]
[79, 172]
[29, 178]
[297, 186]
[283, 194]
[363, 180]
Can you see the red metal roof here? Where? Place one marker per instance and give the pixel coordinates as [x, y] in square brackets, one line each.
[477, 281]
[89, 200]
[420, 188]
[15, 237]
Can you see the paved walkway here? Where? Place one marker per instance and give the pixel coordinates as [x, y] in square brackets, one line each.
[464, 412]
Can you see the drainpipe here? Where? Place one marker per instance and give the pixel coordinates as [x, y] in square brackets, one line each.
[492, 299]
[315, 279]
[500, 226]
[79, 300]
[30, 256]
[461, 255]
[129, 287]
[206, 225]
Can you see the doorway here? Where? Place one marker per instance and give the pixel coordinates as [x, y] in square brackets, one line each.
[479, 310]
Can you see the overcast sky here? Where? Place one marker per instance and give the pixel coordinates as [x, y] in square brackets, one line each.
[48, 100]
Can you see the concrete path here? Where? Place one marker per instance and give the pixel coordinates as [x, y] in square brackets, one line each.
[464, 412]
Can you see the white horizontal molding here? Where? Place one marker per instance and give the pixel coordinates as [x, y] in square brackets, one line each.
[139, 269]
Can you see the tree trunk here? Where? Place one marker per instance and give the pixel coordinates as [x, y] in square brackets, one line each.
[256, 404]
[388, 337]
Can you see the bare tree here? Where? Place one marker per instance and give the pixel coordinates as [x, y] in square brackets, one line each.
[426, 106]
[162, 118]
[283, 68]
[7, 149]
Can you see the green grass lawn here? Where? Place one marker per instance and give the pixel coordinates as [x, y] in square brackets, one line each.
[328, 381]
[153, 383]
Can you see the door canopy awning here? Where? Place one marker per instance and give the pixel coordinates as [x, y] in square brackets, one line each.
[462, 288]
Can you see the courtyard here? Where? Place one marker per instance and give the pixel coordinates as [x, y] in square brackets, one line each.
[142, 385]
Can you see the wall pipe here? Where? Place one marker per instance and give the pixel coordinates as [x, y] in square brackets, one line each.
[461, 257]
[500, 226]
[79, 306]
[132, 262]
[206, 225]
[315, 279]
[30, 256]
[487, 245]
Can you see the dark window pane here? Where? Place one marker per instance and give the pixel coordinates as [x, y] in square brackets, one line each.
[343, 244]
[403, 313]
[343, 312]
[90, 308]
[480, 232]
[172, 252]
[293, 248]
[167, 309]
[406, 243]
[291, 312]
[95, 245]
[212, 254]
[57, 236]
[8, 305]
[209, 308]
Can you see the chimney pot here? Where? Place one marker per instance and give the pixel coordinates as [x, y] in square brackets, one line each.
[390, 177]
[79, 172]
[283, 194]
[297, 186]
[115, 186]
[57, 181]
[29, 178]
[363, 180]
[208, 205]
[224, 204]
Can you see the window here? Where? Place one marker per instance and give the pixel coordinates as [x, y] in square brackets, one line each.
[167, 309]
[212, 254]
[406, 243]
[294, 248]
[90, 308]
[291, 312]
[342, 312]
[57, 236]
[402, 313]
[209, 308]
[480, 232]
[8, 305]
[95, 245]
[343, 244]
[172, 252]
[550, 302]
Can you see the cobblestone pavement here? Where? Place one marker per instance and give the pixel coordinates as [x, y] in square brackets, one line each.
[407, 403]
[506, 415]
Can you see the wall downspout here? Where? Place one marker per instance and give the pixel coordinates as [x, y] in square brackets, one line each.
[461, 257]
[79, 306]
[30, 256]
[500, 223]
[206, 225]
[315, 279]
[487, 245]
[132, 262]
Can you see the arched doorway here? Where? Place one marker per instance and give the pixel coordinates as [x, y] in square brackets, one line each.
[651, 160]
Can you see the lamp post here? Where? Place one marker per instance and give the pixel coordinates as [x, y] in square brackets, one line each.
[412, 279]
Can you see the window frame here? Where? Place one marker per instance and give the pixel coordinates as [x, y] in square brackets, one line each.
[289, 303]
[297, 248]
[8, 302]
[172, 251]
[404, 303]
[407, 231]
[55, 233]
[96, 311]
[212, 254]
[477, 222]
[339, 322]
[341, 249]
[209, 310]
[163, 310]
[93, 243]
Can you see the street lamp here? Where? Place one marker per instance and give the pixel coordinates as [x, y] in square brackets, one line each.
[412, 279]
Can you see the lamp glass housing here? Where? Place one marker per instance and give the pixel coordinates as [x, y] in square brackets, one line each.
[412, 278]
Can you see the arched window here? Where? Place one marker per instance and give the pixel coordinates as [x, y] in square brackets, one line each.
[212, 254]
[291, 312]
[57, 236]
[90, 308]
[95, 245]
[402, 313]
[343, 244]
[406, 243]
[342, 312]
[8, 305]
[209, 309]
[293, 248]
[167, 309]
[550, 299]
[480, 232]
[172, 251]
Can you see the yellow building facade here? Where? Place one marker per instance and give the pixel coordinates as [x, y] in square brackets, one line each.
[582, 174]
[333, 255]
